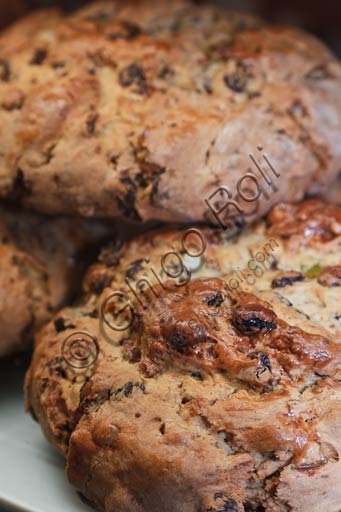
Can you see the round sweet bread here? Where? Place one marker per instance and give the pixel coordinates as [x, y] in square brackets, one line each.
[114, 109]
[200, 373]
[40, 269]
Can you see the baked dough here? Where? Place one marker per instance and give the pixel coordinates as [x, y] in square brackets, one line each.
[143, 109]
[224, 394]
[41, 264]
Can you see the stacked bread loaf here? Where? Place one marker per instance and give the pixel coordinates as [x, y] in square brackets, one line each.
[197, 368]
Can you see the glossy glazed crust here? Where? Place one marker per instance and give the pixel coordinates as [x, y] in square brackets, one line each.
[41, 263]
[142, 109]
[219, 397]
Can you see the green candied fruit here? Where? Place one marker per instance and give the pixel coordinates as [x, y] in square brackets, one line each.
[313, 271]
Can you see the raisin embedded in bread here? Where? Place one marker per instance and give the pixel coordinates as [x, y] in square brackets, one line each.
[224, 393]
[40, 268]
[114, 109]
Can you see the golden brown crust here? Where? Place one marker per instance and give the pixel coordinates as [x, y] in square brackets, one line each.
[308, 222]
[113, 109]
[40, 268]
[218, 397]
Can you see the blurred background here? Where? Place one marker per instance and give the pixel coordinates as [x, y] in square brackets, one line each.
[322, 17]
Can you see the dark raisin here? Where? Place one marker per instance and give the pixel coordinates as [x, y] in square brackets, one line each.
[150, 171]
[186, 335]
[56, 366]
[110, 256]
[264, 362]
[91, 124]
[297, 109]
[230, 506]
[130, 74]
[14, 104]
[5, 70]
[197, 376]
[128, 389]
[91, 314]
[155, 191]
[219, 51]
[126, 205]
[126, 31]
[133, 30]
[133, 75]
[21, 187]
[141, 180]
[287, 280]
[208, 87]
[67, 428]
[254, 325]
[215, 299]
[135, 355]
[253, 318]
[127, 181]
[117, 392]
[236, 81]
[254, 94]
[166, 72]
[318, 73]
[93, 402]
[135, 266]
[178, 341]
[267, 389]
[60, 325]
[253, 508]
[100, 284]
[57, 179]
[39, 56]
[225, 504]
[114, 159]
[58, 65]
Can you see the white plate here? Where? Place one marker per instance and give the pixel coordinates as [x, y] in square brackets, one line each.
[32, 475]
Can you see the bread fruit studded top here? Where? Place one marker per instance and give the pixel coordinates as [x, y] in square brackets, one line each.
[142, 109]
[225, 392]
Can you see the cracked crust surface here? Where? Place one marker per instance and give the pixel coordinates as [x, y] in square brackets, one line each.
[224, 394]
[111, 110]
[40, 269]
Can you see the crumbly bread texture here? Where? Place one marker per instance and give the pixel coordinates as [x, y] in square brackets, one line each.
[143, 108]
[333, 194]
[224, 394]
[40, 269]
